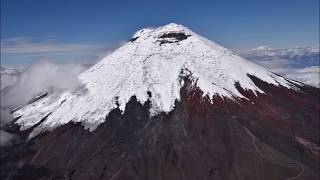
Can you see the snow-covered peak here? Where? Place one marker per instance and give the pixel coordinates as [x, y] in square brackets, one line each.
[172, 27]
[153, 61]
[262, 48]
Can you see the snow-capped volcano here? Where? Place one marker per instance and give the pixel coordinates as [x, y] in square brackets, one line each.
[262, 48]
[150, 66]
[170, 104]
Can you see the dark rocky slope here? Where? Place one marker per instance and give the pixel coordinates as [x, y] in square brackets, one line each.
[269, 137]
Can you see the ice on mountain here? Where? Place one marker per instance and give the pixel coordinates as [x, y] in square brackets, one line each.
[149, 71]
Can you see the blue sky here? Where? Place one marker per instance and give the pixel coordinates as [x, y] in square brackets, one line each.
[84, 30]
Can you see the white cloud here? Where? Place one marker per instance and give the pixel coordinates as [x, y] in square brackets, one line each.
[308, 75]
[300, 63]
[22, 45]
[37, 78]
[42, 76]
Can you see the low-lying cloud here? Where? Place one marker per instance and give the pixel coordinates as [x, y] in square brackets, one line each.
[301, 63]
[308, 75]
[67, 61]
[42, 76]
[38, 78]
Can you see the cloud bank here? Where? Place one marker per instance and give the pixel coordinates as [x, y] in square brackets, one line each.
[308, 75]
[300, 63]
